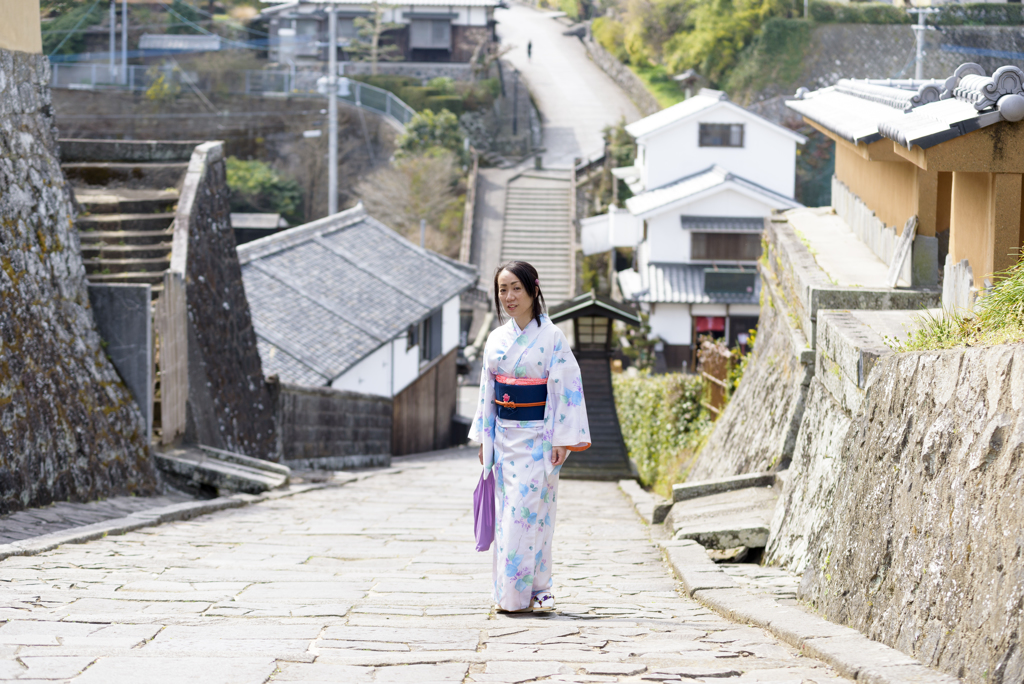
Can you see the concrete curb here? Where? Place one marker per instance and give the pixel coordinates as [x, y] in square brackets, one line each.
[173, 513]
[852, 654]
[651, 507]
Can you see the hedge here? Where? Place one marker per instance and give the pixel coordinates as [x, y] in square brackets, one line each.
[662, 423]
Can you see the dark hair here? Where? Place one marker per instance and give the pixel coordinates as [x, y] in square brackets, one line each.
[527, 275]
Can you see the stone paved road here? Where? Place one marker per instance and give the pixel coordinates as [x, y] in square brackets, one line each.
[576, 98]
[376, 581]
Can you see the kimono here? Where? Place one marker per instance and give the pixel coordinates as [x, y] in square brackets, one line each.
[519, 452]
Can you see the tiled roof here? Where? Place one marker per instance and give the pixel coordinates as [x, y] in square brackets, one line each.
[922, 113]
[650, 201]
[678, 284]
[326, 294]
[691, 106]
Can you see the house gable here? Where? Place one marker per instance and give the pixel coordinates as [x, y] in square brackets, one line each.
[767, 155]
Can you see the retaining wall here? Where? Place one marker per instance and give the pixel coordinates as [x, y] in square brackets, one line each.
[626, 79]
[906, 515]
[320, 427]
[69, 428]
[229, 406]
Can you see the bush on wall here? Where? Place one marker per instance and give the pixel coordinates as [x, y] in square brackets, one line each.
[662, 423]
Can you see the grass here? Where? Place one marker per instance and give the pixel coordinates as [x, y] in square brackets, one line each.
[659, 83]
[998, 318]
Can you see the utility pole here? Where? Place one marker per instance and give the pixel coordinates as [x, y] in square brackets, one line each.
[423, 233]
[332, 113]
[113, 40]
[919, 29]
[124, 40]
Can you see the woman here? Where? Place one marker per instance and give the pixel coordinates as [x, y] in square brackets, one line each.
[531, 415]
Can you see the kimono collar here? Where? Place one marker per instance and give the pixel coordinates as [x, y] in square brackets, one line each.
[532, 324]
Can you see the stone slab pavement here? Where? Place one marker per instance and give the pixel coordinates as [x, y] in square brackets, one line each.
[575, 97]
[375, 581]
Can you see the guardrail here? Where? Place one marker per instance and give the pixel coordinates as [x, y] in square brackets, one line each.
[95, 76]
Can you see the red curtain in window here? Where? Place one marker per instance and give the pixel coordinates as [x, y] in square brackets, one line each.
[709, 324]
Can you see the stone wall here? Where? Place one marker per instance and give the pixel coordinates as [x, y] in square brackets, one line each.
[921, 544]
[620, 73]
[320, 427]
[229, 406]
[69, 429]
[757, 431]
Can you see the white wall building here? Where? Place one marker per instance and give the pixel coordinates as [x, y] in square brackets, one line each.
[706, 174]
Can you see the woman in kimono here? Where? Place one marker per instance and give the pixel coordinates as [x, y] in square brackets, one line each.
[531, 415]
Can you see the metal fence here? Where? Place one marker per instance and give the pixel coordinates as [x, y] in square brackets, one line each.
[97, 76]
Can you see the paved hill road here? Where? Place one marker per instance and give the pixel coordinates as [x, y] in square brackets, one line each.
[576, 99]
[376, 581]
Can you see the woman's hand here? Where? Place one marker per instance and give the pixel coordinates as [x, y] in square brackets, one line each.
[558, 455]
[480, 454]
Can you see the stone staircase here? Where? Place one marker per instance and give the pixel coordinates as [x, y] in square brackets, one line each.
[538, 229]
[606, 459]
[127, 214]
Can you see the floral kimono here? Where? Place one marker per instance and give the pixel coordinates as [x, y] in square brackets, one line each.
[519, 451]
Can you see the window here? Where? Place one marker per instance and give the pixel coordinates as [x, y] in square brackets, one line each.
[428, 336]
[592, 333]
[725, 246]
[721, 135]
[431, 34]
[729, 281]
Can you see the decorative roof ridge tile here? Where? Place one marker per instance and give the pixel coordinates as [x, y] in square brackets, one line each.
[985, 91]
[902, 99]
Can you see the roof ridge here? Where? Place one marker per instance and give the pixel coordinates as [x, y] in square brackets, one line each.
[343, 253]
[292, 236]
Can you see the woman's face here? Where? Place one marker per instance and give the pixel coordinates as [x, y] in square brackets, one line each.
[512, 295]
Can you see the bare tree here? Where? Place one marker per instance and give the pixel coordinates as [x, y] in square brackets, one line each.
[421, 187]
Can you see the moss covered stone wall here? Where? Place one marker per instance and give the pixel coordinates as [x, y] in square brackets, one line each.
[69, 429]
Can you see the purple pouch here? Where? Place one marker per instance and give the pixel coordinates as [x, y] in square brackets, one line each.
[483, 511]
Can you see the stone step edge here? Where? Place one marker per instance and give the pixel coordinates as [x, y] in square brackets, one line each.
[849, 652]
[176, 512]
[652, 507]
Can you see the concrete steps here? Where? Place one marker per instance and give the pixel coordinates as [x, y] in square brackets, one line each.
[606, 459]
[126, 235]
[537, 229]
[211, 472]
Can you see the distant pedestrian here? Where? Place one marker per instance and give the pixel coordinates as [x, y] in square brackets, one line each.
[529, 49]
[531, 415]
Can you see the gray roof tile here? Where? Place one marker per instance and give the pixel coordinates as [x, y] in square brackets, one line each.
[326, 294]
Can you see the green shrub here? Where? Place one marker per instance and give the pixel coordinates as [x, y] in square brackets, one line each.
[440, 103]
[662, 423]
[55, 32]
[775, 57]
[428, 130]
[571, 8]
[610, 35]
[980, 14]
[256, 187]
[857, 13]
[998, 319]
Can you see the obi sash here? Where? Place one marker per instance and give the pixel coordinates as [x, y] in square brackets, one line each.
[520, 398]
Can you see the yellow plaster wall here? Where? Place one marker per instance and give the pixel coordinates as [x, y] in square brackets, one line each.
[19, 26]
[970, 236]
[890, 188]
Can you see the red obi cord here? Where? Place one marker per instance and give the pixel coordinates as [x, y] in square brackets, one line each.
[506, 380]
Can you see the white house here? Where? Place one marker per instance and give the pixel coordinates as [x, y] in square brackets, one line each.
[706, 174]
[423, 30]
